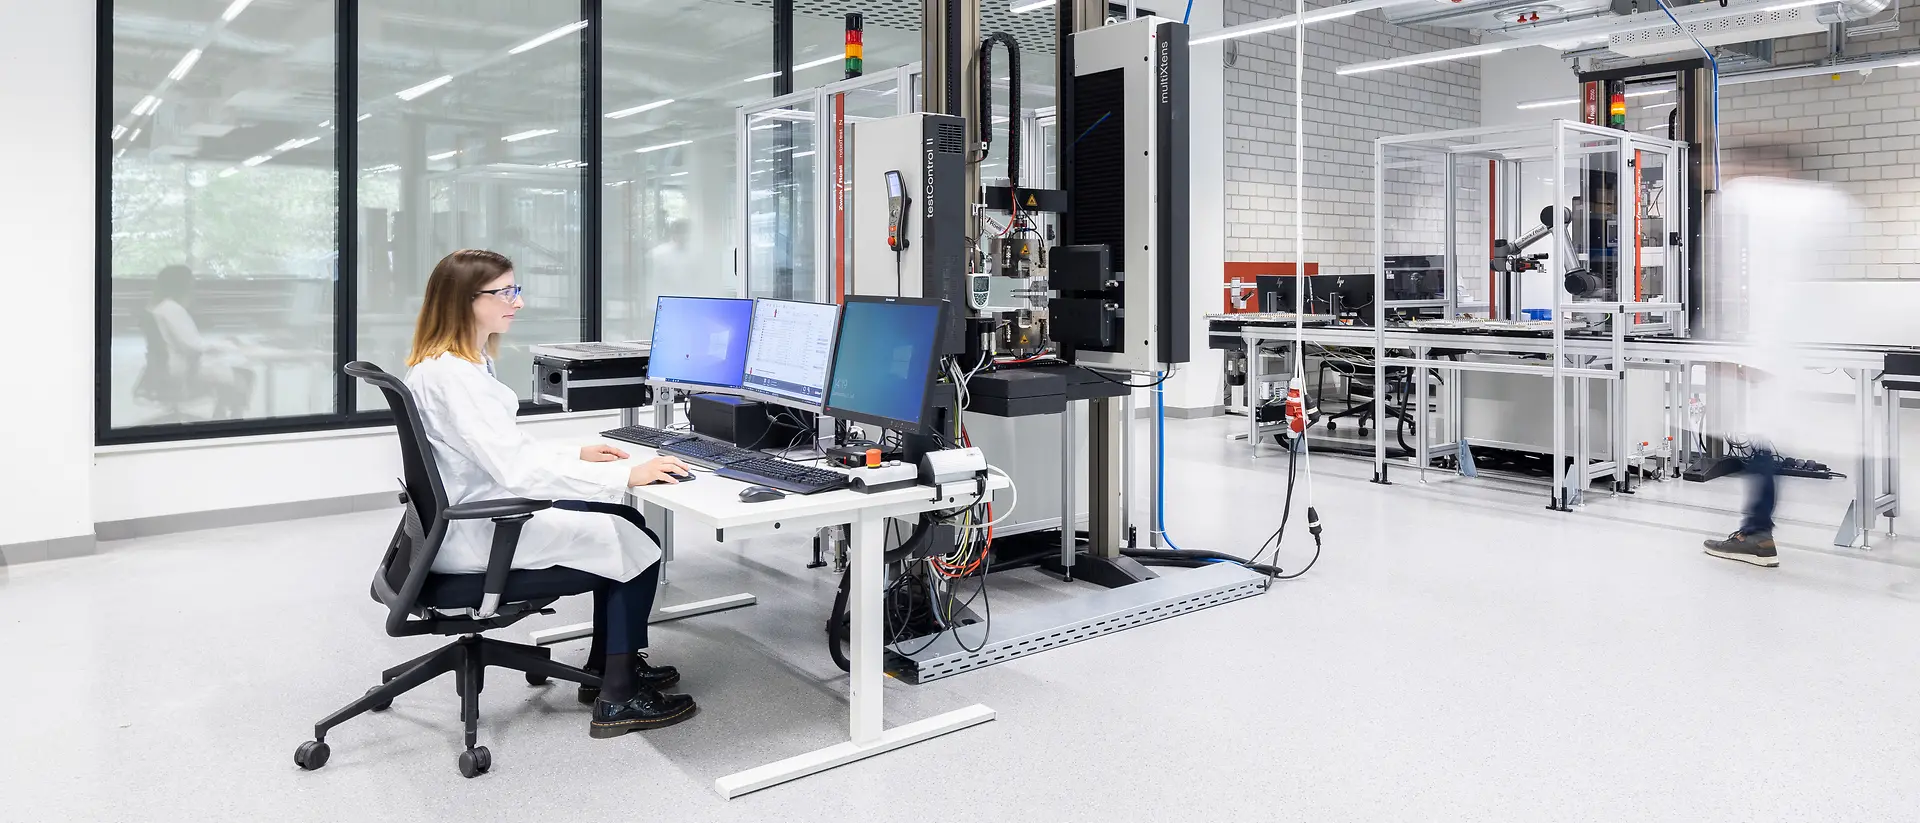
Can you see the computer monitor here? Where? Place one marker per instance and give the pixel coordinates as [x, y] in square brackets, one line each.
[700, 341]
[790, 350]
[884, 359]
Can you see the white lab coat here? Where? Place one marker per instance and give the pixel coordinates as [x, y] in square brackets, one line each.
[483, 455]
[1776, 234]
[217, 359]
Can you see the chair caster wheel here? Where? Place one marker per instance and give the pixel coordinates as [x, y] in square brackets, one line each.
[311, 755]
[473, 762]
[1333, 425]
[536, 679]
[379, 707]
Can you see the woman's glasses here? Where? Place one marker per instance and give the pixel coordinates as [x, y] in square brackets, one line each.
[505, 293]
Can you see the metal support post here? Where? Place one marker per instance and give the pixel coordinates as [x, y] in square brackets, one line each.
[1106, 479]
[1068, 435]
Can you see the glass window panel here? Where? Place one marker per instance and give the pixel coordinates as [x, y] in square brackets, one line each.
[781, 211]
[469, 138]
[223, 212]
[674, 73]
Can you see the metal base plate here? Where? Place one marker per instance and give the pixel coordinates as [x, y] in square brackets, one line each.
[1088, 616]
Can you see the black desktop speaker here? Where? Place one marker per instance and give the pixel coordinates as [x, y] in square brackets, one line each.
[749, 424]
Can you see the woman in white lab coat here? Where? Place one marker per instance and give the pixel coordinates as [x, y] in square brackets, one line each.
[470, 419]
[197, 363]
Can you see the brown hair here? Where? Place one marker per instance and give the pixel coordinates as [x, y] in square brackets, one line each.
[446, 314]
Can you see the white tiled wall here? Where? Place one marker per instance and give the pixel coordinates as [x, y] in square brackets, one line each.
[1344, 115]
[1860, 133]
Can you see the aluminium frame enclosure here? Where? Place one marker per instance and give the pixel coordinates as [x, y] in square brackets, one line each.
[1609, 191]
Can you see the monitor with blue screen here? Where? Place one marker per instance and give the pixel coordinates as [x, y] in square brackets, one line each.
[791, 349]
[884, 361]
[700, 341]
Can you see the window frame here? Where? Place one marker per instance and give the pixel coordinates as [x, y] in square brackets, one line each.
[346, 238]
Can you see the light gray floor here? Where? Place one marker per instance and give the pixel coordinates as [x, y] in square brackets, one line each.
[1458, 654]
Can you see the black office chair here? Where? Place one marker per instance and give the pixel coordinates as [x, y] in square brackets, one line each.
[156, 383]
[419, 601]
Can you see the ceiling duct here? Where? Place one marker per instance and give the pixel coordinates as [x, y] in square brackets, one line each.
[1762, 25]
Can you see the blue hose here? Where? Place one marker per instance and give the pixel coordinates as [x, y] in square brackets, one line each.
[1160, 459]
[1189, 15]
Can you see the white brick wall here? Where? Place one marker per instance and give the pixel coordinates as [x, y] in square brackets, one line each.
[1343, 116]
[1858, 133]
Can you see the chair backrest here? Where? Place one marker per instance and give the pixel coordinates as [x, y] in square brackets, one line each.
[409, 559]
[156, 379]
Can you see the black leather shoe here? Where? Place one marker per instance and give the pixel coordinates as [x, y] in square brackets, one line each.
[645, 676]
[647, 710]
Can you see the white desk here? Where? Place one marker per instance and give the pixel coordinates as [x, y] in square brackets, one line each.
[714, 502]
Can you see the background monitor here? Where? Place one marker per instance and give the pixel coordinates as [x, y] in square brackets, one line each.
[791, 349]
[700, 341]
[884, 361]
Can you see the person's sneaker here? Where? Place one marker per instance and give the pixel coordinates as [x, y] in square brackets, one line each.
[1747, 548]
[646, 676]
[647, 710]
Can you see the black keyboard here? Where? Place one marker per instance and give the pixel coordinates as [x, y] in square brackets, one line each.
[644, 436]
[784, 475]
[710, 453]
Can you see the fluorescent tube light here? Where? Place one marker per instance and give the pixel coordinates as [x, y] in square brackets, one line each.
[549, 37]
[234, 9]
[1545, 104]
[1419, 60]
[443, 155]
[1030, 5]
[638, 109]
[528, 135]
[674, 144]
[423, 88]
[256, 160]
[185, 65]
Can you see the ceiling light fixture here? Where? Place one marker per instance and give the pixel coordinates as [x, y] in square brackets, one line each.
[256, 160]
[1652, 106]
[146, 105]
[549, 37]
[185, 65]
[679, 174]
[1785, 6]
[134, 136]
[1419, 60]
[1025, 6]
[804, 154]
[1287, 22]
[234, 9]
[423, 88]
[290, 145]
[118, 132]
[1545, 104]
[528, 135]
[1649, 93]
[638, 109]
[362, 118]
[811, 64]
[230, 171]
[443, 155]
[674, 144]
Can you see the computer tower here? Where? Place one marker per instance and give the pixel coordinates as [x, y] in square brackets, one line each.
[749, 424]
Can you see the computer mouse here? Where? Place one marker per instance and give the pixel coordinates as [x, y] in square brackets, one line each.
[677, 477]
[760, 494]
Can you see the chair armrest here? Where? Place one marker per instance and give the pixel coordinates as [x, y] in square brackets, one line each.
[503, 507]
[508, 515]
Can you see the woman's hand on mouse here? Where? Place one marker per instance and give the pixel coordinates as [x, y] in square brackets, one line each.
[662, 469]
[601, 453]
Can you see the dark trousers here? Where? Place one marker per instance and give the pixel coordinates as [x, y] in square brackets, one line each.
[620, 610]
[1763, 471]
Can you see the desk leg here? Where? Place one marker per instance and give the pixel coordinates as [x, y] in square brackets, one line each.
[663, 526]
[1254, 396]
[865, 686]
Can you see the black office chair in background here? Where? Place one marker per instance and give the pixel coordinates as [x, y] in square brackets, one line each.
[421, 602]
